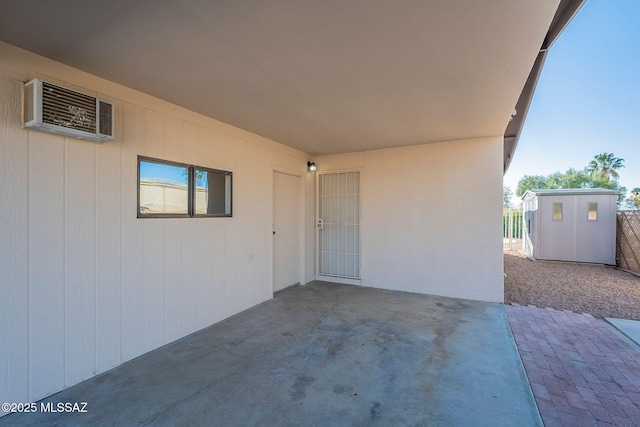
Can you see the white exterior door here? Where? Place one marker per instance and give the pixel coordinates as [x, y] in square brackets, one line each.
[286, 230]
[339, 224]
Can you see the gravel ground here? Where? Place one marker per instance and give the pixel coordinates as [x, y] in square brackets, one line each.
[583, 288]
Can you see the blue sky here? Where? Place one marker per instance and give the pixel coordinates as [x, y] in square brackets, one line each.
[588, 96]
[171, 174]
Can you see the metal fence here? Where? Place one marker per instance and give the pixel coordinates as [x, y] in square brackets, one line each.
[628, 240]
[512, 229]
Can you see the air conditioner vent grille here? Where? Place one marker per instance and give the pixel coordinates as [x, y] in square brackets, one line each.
[67, 108]
[106, 118]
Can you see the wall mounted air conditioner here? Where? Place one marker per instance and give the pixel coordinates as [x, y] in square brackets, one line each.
[56, 109]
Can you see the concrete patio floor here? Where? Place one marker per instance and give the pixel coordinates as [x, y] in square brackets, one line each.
[324, 355]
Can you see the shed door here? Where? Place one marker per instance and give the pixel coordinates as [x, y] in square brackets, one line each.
[556, 237]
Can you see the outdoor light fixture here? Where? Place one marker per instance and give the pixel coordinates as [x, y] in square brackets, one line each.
[312, 166]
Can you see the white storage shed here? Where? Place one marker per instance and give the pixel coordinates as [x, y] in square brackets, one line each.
[570, 225]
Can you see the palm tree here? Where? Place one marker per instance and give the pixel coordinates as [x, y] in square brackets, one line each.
[606, 165]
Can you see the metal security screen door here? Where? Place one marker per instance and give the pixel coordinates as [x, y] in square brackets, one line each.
[338, 224]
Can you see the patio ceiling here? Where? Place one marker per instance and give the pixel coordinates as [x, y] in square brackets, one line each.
[325, 77]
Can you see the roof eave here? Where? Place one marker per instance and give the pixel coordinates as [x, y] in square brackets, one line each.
[567, 9]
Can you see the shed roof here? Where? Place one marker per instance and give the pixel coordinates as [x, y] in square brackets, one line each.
[569, 192]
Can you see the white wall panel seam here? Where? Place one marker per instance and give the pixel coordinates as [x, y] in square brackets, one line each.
[95, 261]
[29, 371]
[65, 261]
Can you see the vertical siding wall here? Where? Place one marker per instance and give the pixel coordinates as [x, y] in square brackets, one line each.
[86, 285]
[431, 217]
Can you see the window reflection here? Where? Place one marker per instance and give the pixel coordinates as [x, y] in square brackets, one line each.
[163, 188]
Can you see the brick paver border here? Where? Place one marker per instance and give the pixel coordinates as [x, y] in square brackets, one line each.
[581, 373]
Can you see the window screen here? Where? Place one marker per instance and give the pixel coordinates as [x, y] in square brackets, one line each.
[212, 192]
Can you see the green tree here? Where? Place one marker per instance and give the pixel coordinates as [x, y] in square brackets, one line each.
[599, 181]
[633, 201]
[507, 195]
[606, 165]
[572, 178]
[531, 182]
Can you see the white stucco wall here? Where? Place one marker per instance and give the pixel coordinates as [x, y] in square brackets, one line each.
[431, 217]
[85, 285]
